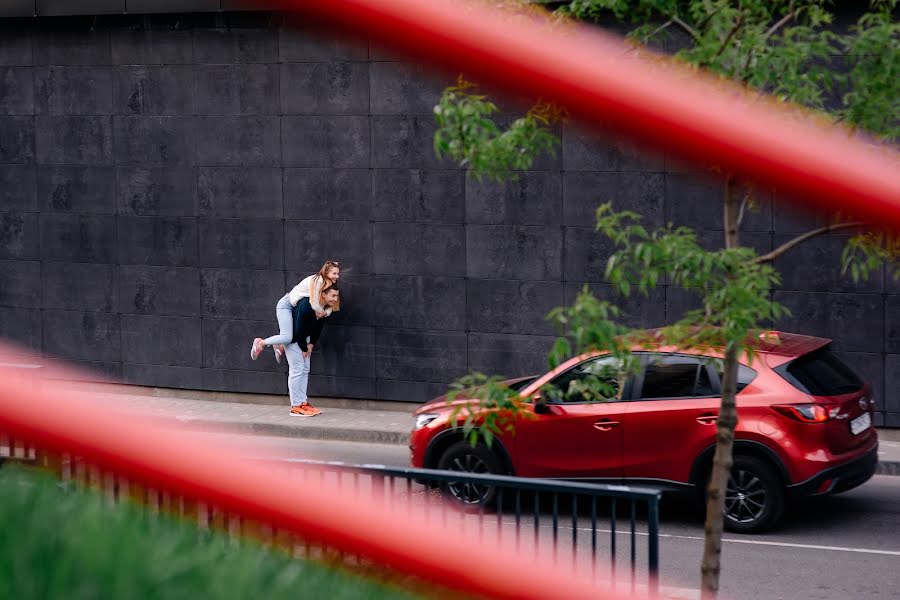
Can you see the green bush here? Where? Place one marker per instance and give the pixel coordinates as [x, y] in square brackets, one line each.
[58, 542]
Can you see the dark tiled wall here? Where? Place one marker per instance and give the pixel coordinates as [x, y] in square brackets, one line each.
[164, 180]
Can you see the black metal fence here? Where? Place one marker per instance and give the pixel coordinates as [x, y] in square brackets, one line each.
[584, 523]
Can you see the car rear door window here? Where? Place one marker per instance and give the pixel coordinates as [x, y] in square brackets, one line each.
[676, 376]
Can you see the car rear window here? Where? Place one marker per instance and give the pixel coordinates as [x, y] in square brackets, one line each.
[820, 373]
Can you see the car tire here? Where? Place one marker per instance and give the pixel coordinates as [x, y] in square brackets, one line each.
[754, 497]
[466, 458]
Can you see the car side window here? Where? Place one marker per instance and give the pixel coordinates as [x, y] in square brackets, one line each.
[599, 379]
[676, 376]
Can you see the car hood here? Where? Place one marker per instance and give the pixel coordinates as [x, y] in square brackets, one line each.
[440, 404]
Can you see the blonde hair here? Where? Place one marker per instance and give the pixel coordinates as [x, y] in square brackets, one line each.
[326, 283]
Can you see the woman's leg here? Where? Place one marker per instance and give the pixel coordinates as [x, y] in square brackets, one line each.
[284, 314]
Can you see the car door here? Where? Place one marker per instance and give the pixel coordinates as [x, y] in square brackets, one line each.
[671, 417]
[578, 432]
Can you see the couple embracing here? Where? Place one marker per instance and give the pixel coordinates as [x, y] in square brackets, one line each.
[301, 315]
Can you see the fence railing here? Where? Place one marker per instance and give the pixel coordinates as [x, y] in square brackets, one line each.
[589, 519]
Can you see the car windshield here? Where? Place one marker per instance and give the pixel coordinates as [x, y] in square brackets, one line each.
[821, 373]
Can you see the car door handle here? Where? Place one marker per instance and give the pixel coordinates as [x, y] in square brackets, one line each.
[707, 419]
[605, 425]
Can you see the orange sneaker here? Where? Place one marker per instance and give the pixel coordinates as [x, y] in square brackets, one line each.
[301, 411]
[310, 409]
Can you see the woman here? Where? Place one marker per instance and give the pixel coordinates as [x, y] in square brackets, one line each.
[311, 287]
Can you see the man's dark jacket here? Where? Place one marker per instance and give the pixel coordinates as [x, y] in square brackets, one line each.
[306, 323]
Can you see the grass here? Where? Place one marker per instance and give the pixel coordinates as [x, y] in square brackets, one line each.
[58, 542]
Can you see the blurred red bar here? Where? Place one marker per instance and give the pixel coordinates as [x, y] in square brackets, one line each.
[182, 462]
[604, 82]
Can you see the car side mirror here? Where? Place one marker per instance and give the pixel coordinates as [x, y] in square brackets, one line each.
[540, 407]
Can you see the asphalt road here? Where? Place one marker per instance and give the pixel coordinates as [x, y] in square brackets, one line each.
[841, 547]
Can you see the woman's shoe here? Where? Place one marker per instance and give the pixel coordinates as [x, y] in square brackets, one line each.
[256, 348]
[279, 352]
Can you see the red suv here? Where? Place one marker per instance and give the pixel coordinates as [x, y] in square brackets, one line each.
[805, 427]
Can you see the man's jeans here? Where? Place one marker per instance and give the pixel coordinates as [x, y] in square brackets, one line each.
[298, 373]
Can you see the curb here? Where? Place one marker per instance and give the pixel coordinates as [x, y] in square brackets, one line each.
[888, 467]
[310, 432]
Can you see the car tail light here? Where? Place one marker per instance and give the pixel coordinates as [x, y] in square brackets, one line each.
[807, 413]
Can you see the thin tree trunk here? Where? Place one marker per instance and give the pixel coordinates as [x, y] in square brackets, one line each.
[710, 567]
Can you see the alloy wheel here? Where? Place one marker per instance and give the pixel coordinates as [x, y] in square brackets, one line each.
[745, 496]
[469, 492]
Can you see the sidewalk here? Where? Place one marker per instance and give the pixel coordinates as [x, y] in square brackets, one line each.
[380, 423]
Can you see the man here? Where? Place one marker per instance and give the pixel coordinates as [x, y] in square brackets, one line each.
[308, 325]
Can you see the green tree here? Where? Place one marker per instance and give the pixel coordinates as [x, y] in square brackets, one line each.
[785, 48]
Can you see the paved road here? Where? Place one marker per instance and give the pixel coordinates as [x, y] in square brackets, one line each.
[841, 547]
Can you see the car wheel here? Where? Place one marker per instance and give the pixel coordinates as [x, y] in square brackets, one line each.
[754, 496]
[476, 460]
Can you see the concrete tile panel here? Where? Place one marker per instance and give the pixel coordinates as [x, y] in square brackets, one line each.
[815, 266]
[298, 41]
[854, 321]
[533, 198]
[585, 150]
[78, 238]
[509, 355]
[419, 249]
[249, 382]
[16, 91]
[236, 89]
[19, 235]
[501, 306]
[82, 44]
[82, 335]
[72, 90]
[77, 190]
[344, 351]
[585, 191]
[408, 391]
[328, 194]
[341, 387]
[400, 88]
[891, 401]
[74, 140]
[17, 140]
[21, 283]
[789, 216]
[242, 243]
[15, 45]
[154, 141]
[190, 378]
[18, 188]
[168, 241]
[402, 301]
[332, 88]
[308, 244]
[438, 357]
[165, 90]
[226, 344]
[136, 7]
[87, 370]
[238, 141]
[155, 340]
[151, 46]
[156, 191]
[680, 300]
[637, 310]
[239, 45]
[761, 241]
[22, 326]
[695, 201]
[892, 323]
[79, 286]
[420, 196]
[520, 252]
[405, 142]
[237, 294]
[330, 141]
[240, 192]
[586, 254]
[159, 290]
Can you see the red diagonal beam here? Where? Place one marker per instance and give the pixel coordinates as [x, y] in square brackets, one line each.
[599, 80]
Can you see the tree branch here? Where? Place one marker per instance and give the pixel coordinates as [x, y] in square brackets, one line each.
[803, 238]
[739, 22]
[677, 20]
[781, 23]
